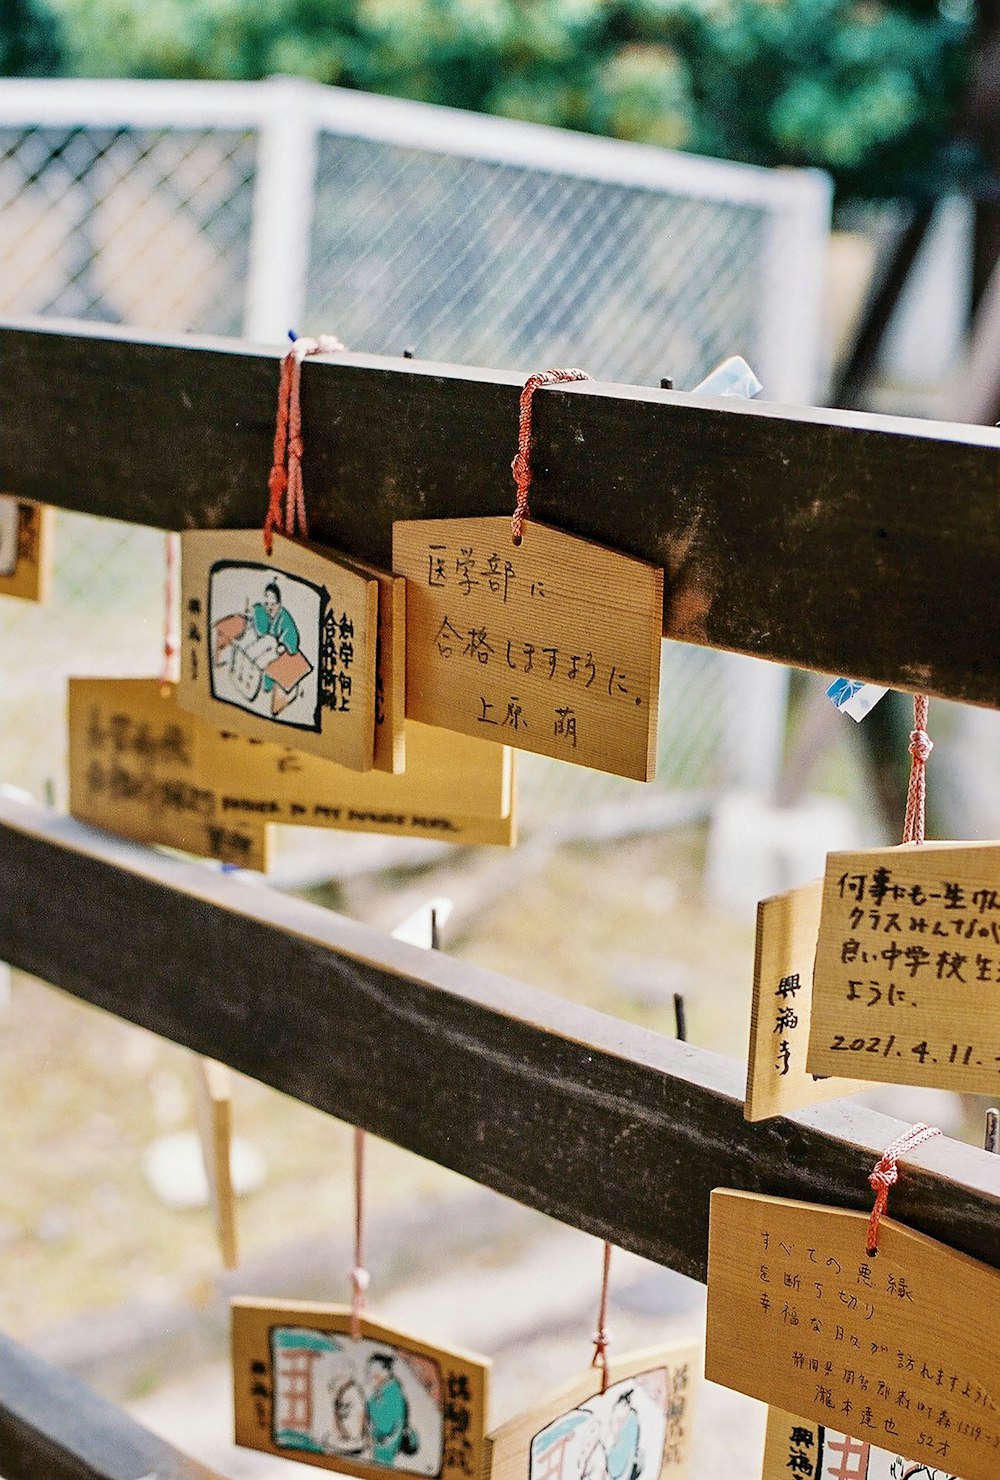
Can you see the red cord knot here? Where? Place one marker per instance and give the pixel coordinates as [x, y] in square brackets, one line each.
[360, 1280]
[521, 465]
[522, 472]
[284, 482]
[602, 1341]
[921, 745]
[885, 1174]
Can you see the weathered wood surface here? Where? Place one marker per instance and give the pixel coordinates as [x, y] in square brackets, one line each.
[847, 543]
[52, 1427]
[629, 1131]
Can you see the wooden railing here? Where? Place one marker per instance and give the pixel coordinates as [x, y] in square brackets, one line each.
[855, 544]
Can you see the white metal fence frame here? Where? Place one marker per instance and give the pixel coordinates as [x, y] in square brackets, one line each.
[290, 114]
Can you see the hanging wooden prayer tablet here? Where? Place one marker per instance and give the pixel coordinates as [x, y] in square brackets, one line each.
[306, 1390]
[552, 646]
[390, 669]
[25, 548]
[134, 770]
[279, 647]
[907, 982]
[455, 789]
[797, 1450]
[641, 1425]
[898, 1349]
[777, 1078]
[214, 1115]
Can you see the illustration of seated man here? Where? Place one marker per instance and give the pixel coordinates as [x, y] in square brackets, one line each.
[388, 1411]
[262, 649]
[624, 1461]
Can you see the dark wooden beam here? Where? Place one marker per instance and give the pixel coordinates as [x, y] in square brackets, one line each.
[604, 1125]
[54, 1428]
[853, 544]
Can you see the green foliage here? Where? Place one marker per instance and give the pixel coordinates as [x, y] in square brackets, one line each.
[206, 39]
[30, 40]
[864, 88]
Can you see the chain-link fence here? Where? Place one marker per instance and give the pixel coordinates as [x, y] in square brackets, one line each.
[249, 208]
[490, 264]
[134, 226]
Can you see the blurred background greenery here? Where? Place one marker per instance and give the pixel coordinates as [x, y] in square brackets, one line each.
[867, 89]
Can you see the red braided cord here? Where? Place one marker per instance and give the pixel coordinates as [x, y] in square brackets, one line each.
[171, 647]
[359, 1275]
[921, 746]
[521, 466]
[278, 478]
[602, 1336]
[285, 480]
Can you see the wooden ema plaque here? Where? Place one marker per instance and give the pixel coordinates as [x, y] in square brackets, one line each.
[390, 669]
[25, 548]
[552, 646]
[899, 1349]
[454, 788]
[134, 770]
[777, 1078]
[306, 1390]
[280, 647]
[213, 793]
[797, 1450]
[640, 1426]
[907, 982]
[213, 1101]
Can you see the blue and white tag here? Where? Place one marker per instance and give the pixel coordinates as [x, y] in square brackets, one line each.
[854, 697]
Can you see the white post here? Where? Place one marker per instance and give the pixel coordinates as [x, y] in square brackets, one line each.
[755, 707]
[789, 354]
[284, 195]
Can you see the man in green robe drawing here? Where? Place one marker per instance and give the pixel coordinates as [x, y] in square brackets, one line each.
[271, 618]
[388, 1411]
